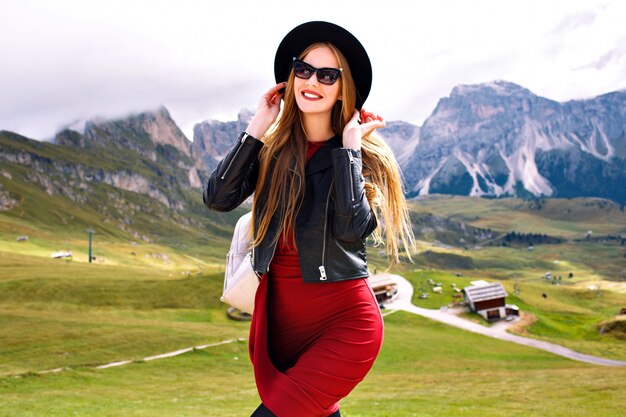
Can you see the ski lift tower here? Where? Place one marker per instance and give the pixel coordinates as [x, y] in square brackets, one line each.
[91, 232]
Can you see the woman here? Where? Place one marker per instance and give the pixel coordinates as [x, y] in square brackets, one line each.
[321, 180]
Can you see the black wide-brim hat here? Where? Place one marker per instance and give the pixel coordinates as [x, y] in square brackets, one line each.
[300, 37]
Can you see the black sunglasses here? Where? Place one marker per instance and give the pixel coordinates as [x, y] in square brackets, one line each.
[328, 76]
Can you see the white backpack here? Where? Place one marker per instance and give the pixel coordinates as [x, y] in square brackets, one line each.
[240, 280]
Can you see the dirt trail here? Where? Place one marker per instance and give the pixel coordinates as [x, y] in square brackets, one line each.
[497, 331]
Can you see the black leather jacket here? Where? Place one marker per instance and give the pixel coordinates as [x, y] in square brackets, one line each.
[335, 217]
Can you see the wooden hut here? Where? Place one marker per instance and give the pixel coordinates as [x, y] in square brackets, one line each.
[384, 287]
[487, 299]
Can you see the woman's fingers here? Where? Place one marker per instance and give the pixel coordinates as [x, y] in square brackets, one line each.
[266, 112]
[275, 99]
[273, 95]
[360, 125]
[370, 121]
[367, 116]
[276, 88]
[366, 121]
[370, 126]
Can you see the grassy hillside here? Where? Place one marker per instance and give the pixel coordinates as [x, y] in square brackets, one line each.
[56, 205]
[569, 315]
[129, 227]
[424, 369]
[568, 218]
[70, 314]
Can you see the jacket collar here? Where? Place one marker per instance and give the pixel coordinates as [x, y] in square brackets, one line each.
[322, 160]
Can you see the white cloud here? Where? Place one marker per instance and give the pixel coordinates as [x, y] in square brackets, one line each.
[68, 60]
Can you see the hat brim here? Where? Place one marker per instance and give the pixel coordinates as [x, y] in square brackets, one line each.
[296, 41]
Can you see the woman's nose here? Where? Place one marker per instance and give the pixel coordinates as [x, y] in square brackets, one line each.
[313, 79]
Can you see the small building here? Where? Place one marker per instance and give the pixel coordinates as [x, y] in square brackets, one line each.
[488, 300]
[384, 287]
[61, 254]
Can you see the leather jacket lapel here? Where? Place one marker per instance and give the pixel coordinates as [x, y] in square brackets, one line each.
[322, 159]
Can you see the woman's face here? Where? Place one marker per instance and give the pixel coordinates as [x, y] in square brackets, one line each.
[311, 95]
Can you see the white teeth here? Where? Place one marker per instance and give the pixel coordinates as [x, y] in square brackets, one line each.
[309, 95]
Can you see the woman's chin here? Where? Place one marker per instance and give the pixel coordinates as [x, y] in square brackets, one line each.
[313, 107]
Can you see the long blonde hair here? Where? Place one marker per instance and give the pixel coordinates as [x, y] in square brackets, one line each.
[285, 144]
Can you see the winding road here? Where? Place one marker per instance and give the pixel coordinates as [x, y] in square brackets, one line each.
[497, 331]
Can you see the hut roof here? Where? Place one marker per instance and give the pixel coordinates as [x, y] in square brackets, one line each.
[477, 293]
[378, 280]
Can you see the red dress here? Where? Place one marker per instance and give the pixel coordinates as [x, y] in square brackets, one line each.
[310, 343]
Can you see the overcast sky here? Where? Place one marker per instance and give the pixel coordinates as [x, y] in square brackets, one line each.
[65, 60]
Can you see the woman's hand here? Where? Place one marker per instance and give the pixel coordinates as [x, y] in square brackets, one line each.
[362, 124]
[266, 112]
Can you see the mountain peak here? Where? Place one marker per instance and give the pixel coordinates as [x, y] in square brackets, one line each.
[498, 87]
[214, 138]
[147, 129]
[245, 115]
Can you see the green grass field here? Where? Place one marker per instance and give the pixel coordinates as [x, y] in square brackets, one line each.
[145, 298]
[54, 313]
[424, 369]
[75, 315]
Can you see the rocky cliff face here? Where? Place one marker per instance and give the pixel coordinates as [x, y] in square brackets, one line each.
[72, 174]
[499, 139]
[153, 135]
[142, 133]
[7, 200]
[145, 153]
[212, 138]
[402, 138]
[83, 183]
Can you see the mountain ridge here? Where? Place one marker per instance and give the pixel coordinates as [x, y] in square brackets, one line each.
[498, 139]
[494, 139]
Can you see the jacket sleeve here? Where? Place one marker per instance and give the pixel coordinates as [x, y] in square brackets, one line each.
[235, 177]
[353, 218]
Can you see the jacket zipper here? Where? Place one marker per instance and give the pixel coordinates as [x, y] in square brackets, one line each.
[351, 180]
[272, 257]
[254, 264]
[243, 139]
[322, 268]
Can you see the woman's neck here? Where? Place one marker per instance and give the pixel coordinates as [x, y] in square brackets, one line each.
[317, 126]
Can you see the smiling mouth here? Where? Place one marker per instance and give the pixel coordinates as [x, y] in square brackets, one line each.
[311, 96]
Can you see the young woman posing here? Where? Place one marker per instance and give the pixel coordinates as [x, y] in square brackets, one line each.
[323, 181]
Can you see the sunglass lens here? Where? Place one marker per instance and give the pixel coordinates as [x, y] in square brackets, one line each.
[327, 76]
[302, 70]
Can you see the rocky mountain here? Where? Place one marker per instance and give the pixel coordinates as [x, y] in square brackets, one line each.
[500, 139]
[144, 153]
[496, 139]
[212, 138]
[153, 135]
[138, 175]
[402, 138]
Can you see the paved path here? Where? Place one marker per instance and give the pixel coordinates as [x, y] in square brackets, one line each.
[498, 331]
[150, 358]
